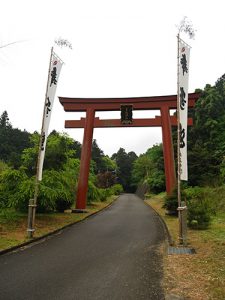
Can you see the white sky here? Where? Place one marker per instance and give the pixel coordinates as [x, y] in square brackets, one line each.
[121, 48]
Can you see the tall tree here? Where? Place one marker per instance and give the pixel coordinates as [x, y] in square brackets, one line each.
[4, 121]
[12, 141]
[125, 162]
[148, 169]
[97, 156]
[207, 136]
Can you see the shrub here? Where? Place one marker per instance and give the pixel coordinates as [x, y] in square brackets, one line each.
[116, 189]
[93, 193]
[104, 194]
[56, 191]
[171, 203]
[113, 190]
[9, 216]
[10, 182]
[199, 216]
[96, 194]
[200, 207]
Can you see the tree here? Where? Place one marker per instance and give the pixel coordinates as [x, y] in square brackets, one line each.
[206, 148]
[12, 142]
[141, 169]
[148, 169]
[97, 156]
[125, 162]
[4, 121]
[59, 149]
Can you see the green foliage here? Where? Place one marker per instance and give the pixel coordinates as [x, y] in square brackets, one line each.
[10, 182]
[156, 181]
[125, 162]
[98, 194]
[116, 189]
[98, 157]
[4, 121]
[9, 216]
[171, 203]
[60, 173]
[199, 216]
[200, 207]
[59, 149]
[206, 148]
[29, 155]
[12, 142]
[109, 164]
[141, 169]
[203, 203]
[57, 189]
[3, 166]
[148, 169]
[94, 193]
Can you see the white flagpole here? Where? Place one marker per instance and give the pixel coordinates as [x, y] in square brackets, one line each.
[33, 202]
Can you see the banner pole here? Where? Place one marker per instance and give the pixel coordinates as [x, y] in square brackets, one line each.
[178, 144]
[33, 202]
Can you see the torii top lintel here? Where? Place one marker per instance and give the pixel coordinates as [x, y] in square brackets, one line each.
[113, 104]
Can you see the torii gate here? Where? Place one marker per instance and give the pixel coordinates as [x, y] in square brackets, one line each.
[91, 105]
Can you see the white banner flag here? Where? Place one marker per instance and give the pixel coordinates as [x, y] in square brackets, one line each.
[184, 55]
[53, 76]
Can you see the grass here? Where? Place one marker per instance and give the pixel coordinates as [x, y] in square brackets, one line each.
[13, 225]
[202, 275]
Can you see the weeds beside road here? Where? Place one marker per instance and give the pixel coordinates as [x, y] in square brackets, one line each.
[202, 275]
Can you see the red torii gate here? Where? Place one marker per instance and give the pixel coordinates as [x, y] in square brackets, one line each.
[91, 105]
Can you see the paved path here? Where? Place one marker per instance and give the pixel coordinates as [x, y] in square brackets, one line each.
[112, 255]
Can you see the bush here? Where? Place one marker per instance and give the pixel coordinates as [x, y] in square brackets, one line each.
[56, 190]
[116, 189]
[10, 183]
[93, 194]
[200, 207]
[171, 203]
[9, 216]
[98, 194]
[199, 216]
[156, 181]
[104, 194]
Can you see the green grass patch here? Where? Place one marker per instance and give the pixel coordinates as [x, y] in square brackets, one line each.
[7, 243]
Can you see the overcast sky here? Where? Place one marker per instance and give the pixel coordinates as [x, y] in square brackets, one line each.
[121, 48]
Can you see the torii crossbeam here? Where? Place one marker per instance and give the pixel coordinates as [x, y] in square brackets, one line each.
[91, 105]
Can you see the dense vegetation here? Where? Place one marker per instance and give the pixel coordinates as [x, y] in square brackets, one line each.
[18, 153]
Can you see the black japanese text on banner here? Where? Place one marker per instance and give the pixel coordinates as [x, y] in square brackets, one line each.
[53, 76]
[184, 55]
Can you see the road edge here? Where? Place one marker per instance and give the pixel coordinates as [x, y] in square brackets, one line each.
[43, 237]
[169, 237]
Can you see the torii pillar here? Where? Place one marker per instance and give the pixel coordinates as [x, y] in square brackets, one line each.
[168, 152]
[85, 160]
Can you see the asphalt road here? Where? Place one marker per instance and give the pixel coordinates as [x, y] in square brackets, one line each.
[112, 255]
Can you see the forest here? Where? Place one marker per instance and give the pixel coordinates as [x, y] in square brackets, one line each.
[120, 172]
